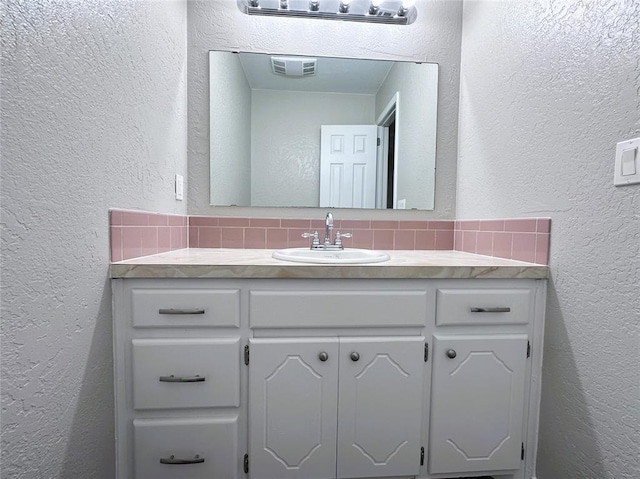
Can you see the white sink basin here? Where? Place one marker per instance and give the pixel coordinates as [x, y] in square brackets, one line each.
[345, 256]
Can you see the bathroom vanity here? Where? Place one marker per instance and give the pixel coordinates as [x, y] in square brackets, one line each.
[230, 364]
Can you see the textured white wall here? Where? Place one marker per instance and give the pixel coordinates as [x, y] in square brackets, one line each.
[285, 141]
[434, 37]
[230, 107]
[547, 89]
[418, 88]
[93, 116]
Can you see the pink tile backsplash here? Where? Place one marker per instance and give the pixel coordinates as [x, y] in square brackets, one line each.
[255, 238]
[383, 239]
[137, 233]
[276, 237]
[404, 239]
[426, 239]
[264, 222]
[362, 239]
[296, 223]
[235, 222]
[141, 233]
[521, 225]
[203, 221]
[232, 237]
[273, 233]
[444, 239]
[206, 237]
[523, 239]
[484, 243]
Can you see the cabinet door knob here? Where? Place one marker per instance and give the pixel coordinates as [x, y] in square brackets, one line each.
[323, 356]
[451, 353]
[355, 356]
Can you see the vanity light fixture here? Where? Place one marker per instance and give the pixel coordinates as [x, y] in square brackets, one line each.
[392, 12]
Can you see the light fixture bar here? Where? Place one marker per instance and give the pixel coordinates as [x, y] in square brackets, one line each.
[274, 12]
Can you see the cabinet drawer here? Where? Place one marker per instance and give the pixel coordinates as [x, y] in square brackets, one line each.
[185, 373]
[482, 306]
[319, 309]
[207, 445]
[185, 307]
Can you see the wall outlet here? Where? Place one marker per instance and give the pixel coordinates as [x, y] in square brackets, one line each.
[179, 187]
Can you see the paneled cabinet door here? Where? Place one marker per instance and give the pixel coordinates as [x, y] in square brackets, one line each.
[380, 406]
[477, 403]
[293, 391]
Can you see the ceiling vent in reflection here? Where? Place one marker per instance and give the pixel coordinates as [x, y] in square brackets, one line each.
[294, 66]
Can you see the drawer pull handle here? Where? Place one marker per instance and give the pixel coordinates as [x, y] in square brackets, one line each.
[491, 310]
[182, 379]
[180, 311]
[354, 356]
[323, 356]
[177, 462]
[451, 353]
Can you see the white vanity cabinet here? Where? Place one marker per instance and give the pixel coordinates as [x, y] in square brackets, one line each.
[327, 378]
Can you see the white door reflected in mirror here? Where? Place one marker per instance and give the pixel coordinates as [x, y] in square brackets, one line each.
[348, 166]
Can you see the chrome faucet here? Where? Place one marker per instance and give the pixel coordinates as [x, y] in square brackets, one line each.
[328, 229]
[330, 243]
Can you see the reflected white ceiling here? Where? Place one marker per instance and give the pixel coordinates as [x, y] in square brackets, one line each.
[337, 75]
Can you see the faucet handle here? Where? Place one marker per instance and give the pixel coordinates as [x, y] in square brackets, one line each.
[314, 235]
[339, 237]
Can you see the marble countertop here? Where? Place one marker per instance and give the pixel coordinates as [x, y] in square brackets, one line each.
[258, 263]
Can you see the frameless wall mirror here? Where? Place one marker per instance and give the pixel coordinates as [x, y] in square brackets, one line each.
[289, 131]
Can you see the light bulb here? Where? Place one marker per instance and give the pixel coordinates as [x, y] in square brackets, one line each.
[344, 6]
[406, 5]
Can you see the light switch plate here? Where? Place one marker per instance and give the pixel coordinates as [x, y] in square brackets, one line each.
[627, 168]
[179, 187]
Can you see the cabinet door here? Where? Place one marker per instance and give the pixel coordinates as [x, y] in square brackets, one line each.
[293, 390]
[477, 403]
[380, 406]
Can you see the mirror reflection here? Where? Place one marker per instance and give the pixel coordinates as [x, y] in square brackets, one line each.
[289, 131]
